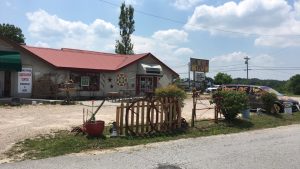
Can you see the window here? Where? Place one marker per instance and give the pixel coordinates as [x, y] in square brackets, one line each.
[85, 81]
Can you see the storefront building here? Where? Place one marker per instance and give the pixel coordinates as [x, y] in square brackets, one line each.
[34, 72]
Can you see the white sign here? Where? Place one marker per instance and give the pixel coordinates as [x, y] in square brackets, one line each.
[200, 77]
[25, 80]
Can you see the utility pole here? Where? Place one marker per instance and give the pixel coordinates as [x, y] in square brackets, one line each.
[247, 63]
[189, 75]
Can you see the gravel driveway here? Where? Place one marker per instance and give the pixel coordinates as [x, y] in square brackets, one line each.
[18, 123]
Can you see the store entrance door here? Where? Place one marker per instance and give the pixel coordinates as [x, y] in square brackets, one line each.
[146, 84]
[7, 84]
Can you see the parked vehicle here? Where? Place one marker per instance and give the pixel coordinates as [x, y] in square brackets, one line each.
[212, 89]
[255, 92]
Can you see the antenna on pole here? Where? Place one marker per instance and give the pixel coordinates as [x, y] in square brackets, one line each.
[247, 63]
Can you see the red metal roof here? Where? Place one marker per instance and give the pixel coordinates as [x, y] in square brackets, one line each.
[82, 59]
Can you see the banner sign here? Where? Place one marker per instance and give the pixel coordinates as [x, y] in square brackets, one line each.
[25, 80]
[199, 65]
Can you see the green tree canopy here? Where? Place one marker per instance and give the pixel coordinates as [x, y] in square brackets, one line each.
[126, 24]
[222, 78]
[12, 32]
[293, 84]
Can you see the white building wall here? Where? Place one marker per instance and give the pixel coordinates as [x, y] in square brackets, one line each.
[167, 77]
[108, 81]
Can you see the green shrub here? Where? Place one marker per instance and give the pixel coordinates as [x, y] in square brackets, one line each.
[231, 103]
[170, 91]
[268, 100]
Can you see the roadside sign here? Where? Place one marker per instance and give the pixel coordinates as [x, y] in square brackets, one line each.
[25, 80]
[199, 65]
[200, 76]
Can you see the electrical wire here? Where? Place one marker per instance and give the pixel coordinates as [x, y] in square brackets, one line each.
[227, 65]
[203, 26]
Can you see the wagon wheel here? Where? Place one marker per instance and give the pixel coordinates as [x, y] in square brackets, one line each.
[131, 113]
[153, 115]
[130, 110]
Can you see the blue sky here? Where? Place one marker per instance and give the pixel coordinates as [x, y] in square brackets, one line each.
[268, 31]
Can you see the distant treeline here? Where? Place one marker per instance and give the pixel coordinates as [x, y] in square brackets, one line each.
[279, 85]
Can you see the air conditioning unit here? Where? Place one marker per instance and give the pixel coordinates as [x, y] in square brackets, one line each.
[152, 69]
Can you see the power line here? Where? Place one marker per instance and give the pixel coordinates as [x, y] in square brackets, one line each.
[198, 26]
[296, 67]
[228, 65]
[229, 68]
[277, 69]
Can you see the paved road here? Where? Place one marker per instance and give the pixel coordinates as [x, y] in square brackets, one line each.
[264, 149]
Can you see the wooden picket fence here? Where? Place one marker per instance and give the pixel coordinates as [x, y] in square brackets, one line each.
[148, 115]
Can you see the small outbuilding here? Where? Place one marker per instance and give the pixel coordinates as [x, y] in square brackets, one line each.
[35, 72]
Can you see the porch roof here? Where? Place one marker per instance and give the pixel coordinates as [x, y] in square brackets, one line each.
[10, 61]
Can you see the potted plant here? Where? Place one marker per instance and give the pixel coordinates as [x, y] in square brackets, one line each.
[94, 127]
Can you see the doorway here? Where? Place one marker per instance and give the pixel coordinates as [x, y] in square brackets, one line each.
[7, 84]
[146, 84]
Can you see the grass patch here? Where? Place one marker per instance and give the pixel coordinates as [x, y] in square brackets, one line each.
[64, 142]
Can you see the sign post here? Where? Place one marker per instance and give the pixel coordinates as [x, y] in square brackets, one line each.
[197, 65]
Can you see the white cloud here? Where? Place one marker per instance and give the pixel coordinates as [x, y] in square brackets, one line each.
[229, 58]
[131, 2]
[187, 52]
[237, 58]
[172, 36]
[169, 53]
[58, 32]
[263, 60]
[41, 44]
[261, 17]
[278, 41]
[234, 64]
[297, 9]
[185, 4]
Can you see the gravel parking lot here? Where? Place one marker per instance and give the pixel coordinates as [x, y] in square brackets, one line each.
[18, 123]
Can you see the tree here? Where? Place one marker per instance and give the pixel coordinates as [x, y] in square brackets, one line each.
[126, 24]
[222, 78]
[293, 84]
[12, 32]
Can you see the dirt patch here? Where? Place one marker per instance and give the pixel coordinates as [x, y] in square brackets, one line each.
[19, 123]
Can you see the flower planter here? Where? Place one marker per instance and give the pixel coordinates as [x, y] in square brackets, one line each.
[94, 128]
